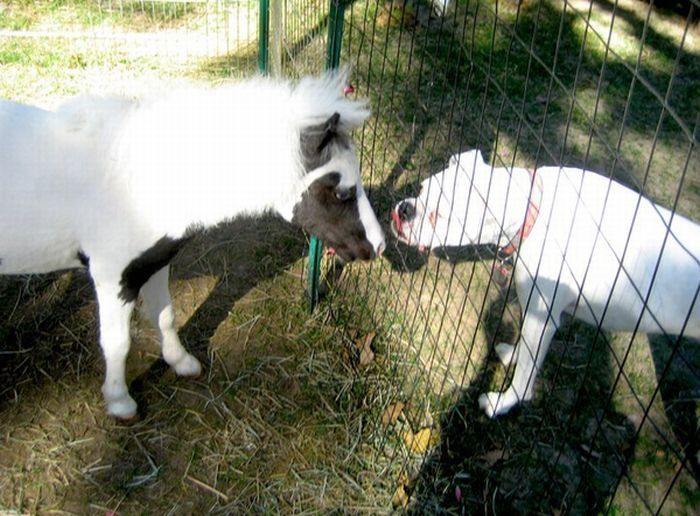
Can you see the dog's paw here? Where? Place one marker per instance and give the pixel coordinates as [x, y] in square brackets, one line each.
[505, 353]
[188, 366]
[496, 403]
[488, 404]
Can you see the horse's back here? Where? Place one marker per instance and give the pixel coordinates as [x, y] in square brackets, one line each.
[50, 162]
[21, 127]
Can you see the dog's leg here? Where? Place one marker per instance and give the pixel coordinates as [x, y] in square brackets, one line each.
[536, 335]
[115, 316]
[505, 353]
[157, 306]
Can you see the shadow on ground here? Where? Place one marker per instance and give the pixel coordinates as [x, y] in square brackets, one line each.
[52, 370]
[564, 451]
[571, 447]
[536, 86]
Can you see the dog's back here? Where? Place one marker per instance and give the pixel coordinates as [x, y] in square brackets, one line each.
[618, 246]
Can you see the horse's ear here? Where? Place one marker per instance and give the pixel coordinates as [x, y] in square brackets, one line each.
[315, 138]
[332, 122]
[330, 131]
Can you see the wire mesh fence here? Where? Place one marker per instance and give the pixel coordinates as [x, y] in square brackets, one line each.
[299, 35]
[180, 28]
[104, 45]
[604, 86]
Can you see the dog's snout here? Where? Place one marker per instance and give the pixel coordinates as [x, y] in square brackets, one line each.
[406, 211]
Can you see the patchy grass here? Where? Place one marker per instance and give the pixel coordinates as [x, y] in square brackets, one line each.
[276, 423]
[83, 14]
[52, 56]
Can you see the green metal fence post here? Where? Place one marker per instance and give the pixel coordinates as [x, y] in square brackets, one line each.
[335, 39]
[264, 36]
[335, 33]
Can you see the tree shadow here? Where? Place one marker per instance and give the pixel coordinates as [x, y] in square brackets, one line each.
[533, 85]
[680, 8]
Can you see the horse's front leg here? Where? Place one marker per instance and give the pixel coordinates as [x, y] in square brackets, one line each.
[115, 315]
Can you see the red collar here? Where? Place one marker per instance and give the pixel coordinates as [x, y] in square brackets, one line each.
[533, 209]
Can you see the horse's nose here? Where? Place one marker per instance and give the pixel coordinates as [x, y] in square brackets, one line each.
[380, 248]
[406, 211]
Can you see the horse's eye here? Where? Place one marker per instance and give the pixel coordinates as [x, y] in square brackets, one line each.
[344, 194]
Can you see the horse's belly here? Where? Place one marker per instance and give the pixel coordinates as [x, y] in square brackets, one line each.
[36, 251]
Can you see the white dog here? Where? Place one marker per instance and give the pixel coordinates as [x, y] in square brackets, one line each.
[117, 185]
[586, 245]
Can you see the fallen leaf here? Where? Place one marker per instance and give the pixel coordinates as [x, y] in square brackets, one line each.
[400, 498]
[365, 341]
[418, 442]
[494, 456]
[366, 356]
[364, 346]
[392, 413]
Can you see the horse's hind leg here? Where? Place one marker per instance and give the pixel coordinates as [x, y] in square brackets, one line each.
[157, 306]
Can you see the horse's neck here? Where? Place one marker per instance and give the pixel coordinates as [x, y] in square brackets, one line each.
[211, 179]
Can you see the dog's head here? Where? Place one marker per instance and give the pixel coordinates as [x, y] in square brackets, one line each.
[451, 209]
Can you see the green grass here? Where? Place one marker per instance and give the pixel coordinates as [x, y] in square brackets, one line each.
[85, 14]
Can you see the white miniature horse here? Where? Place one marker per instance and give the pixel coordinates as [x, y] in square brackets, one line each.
[118, 185]
[586, 245]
